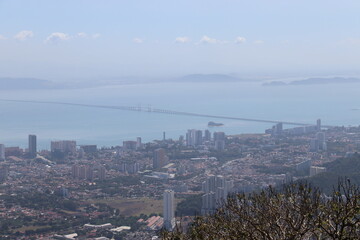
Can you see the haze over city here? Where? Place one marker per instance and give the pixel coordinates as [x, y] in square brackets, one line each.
[216, 119]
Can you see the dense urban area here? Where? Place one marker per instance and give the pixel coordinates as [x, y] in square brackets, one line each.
[134, 190]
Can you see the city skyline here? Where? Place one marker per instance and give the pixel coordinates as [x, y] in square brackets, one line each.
[206, 119]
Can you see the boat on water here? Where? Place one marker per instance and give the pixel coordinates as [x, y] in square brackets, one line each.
[214, 124]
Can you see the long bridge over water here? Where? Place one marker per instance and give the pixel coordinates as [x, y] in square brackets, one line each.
[162, 111]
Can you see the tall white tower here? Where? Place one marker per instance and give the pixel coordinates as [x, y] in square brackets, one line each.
[169, 210]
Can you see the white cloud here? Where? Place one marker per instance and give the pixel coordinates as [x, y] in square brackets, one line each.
[24, 35]
[205, 39]
[2, 37]
[350, 41]
[182, 40]
[240, 40]
[86, 35]
[96, 35]
[57, 37]
[259, 42]
[138, 40]
[82, 35]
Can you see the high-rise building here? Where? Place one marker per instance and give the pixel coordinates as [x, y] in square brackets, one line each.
[82, 172]
[212, 182]
[209, 184]
[75, 171]
[220, 195]
[32, 146]
[219, 145]
[318, 143]
[130, 168]
[190, 138]
[316, 170]
[320, 136]
[101, 173]
[314, 145]
[13, 151]
[216, 190]
[208, 203]
[181, 139]
[69, 146]
[198, 138]
[169, 210]
[89, 173]
[4, 171]
[318, 124]
[219, 136]
[130, 145]
[89, 148]
[123, 167]
[207, 135]
[278, 128]
[194, 137]
[160, 158]
[138, 143]
[2, 152]
[63, 146]
[219, 141]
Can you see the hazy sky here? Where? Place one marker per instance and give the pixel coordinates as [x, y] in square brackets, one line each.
[79, 39]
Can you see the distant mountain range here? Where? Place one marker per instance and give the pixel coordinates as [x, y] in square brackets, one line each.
[35, 83]
[313, 81]
[208, 78]
[27, 84]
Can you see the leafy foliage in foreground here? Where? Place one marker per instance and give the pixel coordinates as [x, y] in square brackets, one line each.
[191, 206]
[298, 211]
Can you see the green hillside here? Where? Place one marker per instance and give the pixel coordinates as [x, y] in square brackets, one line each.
[342, 168]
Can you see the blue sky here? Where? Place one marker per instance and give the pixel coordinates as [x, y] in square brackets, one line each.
[83, 39]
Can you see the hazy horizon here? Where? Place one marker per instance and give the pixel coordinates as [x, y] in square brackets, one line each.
[67, 40]
[120, 119]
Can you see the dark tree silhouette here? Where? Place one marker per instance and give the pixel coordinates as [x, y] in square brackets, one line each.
[297, 211]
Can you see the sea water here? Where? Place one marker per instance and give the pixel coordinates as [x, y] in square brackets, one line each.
[333, 103]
